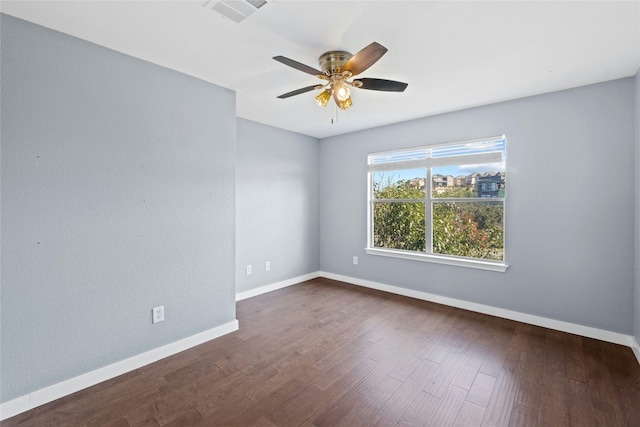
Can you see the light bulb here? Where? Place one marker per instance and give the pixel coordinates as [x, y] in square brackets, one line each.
[342, 92]
[323, 98]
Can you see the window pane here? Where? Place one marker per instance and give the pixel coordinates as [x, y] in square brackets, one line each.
[469, 229]
[484, 180]
[400, 184]
[399, 225]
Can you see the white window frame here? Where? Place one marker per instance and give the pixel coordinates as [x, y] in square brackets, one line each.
[429, 162]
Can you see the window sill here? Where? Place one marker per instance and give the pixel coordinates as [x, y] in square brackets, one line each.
[438, 259]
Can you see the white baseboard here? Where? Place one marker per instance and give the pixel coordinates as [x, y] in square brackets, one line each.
[636, 348]
[64, 388]
[275, 286]
[572, 328]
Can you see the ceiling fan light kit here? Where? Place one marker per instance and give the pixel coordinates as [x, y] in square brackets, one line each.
[337, 67]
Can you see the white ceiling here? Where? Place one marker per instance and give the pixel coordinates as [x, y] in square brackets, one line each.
[453, 54]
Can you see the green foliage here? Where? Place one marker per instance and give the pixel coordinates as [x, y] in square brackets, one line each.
[399, 225]
[469, 229]
[456, 192]
[391, 189]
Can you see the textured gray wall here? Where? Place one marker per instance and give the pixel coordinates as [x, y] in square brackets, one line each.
[636, 329]
[118, 195]
[276, 204]
[570, 206]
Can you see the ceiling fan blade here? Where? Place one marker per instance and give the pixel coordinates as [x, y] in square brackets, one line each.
[299, 91]
[382, 84]
[297, 65]
[365, 58]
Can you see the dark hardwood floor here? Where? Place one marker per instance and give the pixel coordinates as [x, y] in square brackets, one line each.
[325, 353]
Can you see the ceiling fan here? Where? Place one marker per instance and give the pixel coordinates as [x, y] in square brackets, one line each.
[337, 67]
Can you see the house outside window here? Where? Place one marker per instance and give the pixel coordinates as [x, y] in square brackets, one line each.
[440, 203]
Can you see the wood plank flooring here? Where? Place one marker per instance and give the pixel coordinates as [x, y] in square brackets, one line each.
[324, 353]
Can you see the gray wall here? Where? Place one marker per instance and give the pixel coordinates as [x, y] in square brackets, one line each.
[276, 204]
[570, 206]
[118, 182]
[637, 199]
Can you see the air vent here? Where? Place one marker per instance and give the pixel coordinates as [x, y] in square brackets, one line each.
[236, 10]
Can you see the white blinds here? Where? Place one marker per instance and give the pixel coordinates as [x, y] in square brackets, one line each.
[477, 151]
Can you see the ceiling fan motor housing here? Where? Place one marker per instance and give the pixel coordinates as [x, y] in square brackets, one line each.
[332, 62]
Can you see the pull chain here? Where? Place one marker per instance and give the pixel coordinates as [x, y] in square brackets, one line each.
[334, 113]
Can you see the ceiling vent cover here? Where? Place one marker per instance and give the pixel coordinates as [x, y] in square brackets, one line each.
[236, 10]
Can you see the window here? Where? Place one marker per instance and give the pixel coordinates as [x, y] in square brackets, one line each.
[441, 203]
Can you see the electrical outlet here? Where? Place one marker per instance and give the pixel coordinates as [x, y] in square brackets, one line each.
[267, 265]
[157, 314]
[249, 270]
[355, 260]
